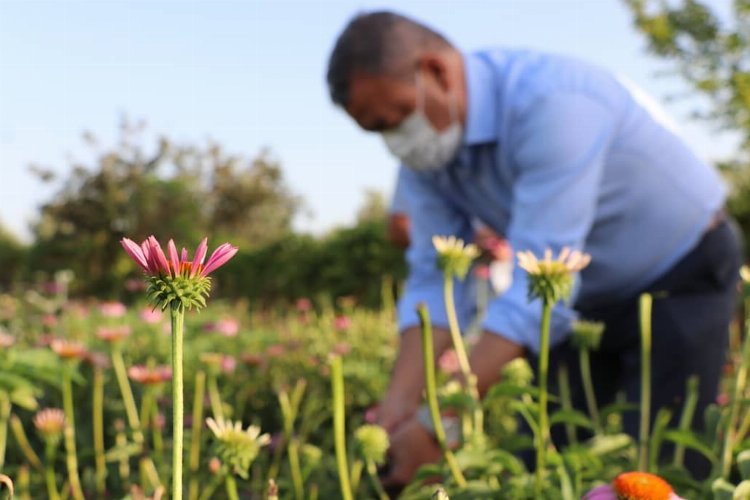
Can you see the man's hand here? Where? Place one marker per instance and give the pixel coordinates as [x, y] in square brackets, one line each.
[411, 447]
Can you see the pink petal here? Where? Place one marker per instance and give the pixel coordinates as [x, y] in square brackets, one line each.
[184, 255]
[220, 257]
[135, 252]
[147, 253]
[200, 254]
[158, 258]
[174, 257]
[603, 492]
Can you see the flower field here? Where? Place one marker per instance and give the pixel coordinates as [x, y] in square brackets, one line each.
[279, 403]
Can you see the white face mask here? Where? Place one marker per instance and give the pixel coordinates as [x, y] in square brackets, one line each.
[418, 144]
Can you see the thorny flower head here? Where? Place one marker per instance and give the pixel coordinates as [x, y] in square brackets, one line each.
[552, 279]
[587, 334]
[177, 281]
[372, 442]
[237, 447]
[50, 423]
[453, 257]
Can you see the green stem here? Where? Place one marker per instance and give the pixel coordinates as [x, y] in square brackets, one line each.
[195, 437]
[98, 429]
[739, 391]
[118, 364]
[588, 388]
[157, 436]
[4, 417]
[567, 402]
[460, 348]
[71, 456]
[49, 470]
[146, 402]
[23, 442]
[214, 396]
[645, 307]
[339, 432]
[431, 392]
[543, 438]
[372, 472]
[208, 492]
[121, 440]
[357, 467]
[688, 410]
[178, 320]
[294, 468]
[231, 486]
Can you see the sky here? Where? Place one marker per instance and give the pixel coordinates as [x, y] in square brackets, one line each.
[250, 75]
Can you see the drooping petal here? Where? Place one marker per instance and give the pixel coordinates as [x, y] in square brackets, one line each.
[135, 252]
[218, 258]
[158, 257]
[184, 255]
[200, 254]
[173, 257]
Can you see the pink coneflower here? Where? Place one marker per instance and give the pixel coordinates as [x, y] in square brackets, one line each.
[50, 422]
[228, 327]
[150, 256]
[275, 350]
[113, 309]
[49, 320]
[68, 349]
[151, 316]
[342, 348]
[303, 305]
[223, 362]
[113, 333]
[150, 375]
[6, 340]
[448, 362]
[482, 272]
[134, 285]
[371, 415]
[214, 465]
[342, 323]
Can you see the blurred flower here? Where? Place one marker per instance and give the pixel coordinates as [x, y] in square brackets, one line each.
[372, 442]
[311, 455]
[342, 348]
[50, 422]
[134, 285]
[371, 415]
[113, 309]
[346, 302]
[275, 350]
[113, 333]
[552, 279]
[448, 362]
[723, 399]
[342, 323]
[237, 448]
[518, 372]
[634, 486]
[97, 359]
[214, 465]
[6, 340]
[453, 257]
[150, 315]
[227, 327]
[150, 375]
[482, 272]
[303, 305]
[218, 361]
[252, 359]
[68, 349]
[52, 287]
[587, 334]
[49, 320]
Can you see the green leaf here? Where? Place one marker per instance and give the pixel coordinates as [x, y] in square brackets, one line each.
[620, 407]
[691, 440]
[573, 417]
[606, 445]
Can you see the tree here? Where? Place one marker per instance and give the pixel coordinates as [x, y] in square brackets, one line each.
[712, 57]
[172, 191]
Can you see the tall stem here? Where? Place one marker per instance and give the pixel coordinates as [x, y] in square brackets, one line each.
[294, 468]
[49, 470]
[588, 388]
[431, 393]
[23, 442]
[214, 396]
[195, 436]
[567, 402]
[127, 393]
[686, 419]
[544, 434]
[178, 319]
[739, 391]
[460, 348]
[337, 386]
[4, 417]
[645, 307]
[98, 429]
[71, 456]
[231, 486]
[372, 472]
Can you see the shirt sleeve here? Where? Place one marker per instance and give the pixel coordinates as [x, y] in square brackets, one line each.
[431, 214]
[399, 201]
[558, 144]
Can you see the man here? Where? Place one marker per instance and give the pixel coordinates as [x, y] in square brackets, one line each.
[550, 152]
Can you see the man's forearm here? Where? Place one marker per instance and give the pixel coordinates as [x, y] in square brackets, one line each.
[488, 357]
[407, 381]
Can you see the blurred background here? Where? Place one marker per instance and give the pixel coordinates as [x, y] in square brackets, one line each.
[192, 118]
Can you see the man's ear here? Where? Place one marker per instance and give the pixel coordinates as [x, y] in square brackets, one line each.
[434, 65]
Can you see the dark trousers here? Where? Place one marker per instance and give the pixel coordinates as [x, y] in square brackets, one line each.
[693, 305]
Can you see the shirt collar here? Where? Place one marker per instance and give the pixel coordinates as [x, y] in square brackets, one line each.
[481, 113]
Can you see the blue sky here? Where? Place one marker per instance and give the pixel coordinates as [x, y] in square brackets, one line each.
[249, 75]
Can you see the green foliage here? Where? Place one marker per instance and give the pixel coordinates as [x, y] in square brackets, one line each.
[12, 256]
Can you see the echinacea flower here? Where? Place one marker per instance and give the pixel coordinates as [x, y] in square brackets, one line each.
[453, 257]
[50, 422]
[113, 309]
[218, 362]
[6, 340]
[634, 486]
[552, 279]
[342, 323]
[151, 316]
[237, 447]
[150, 375]
[113, 333]
[68, 349]
[372, 442]
[177, 281]
[587, 334]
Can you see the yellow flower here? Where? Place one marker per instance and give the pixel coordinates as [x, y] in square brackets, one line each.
[551, 278]
[454, 257]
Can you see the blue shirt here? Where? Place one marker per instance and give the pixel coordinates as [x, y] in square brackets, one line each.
[557, 153]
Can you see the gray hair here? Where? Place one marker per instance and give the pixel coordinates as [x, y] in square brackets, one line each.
[378, 43]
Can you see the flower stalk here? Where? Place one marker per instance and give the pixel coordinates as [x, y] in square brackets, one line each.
[71, 456]
[431, 393]
[178, 322]
[4, 418]
[686, 418]
[98, 430]
[339, 431]
[645, 307]
[195, 433]
[543, 438]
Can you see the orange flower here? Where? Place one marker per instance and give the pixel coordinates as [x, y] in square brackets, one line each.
[641, 486]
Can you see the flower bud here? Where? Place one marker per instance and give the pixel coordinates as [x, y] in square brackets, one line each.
[372, 442]
[587, 334]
